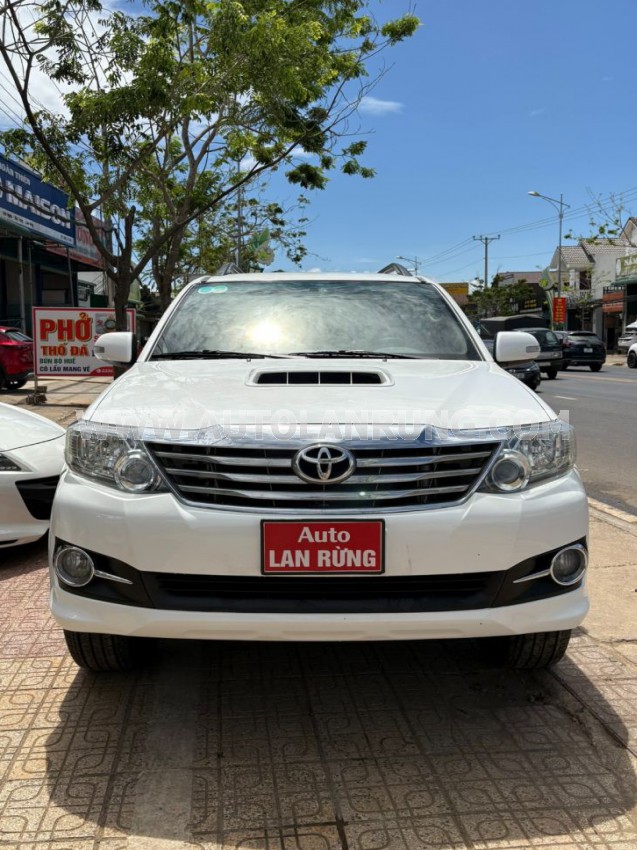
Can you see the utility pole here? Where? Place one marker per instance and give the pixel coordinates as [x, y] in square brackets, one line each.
[485, 241]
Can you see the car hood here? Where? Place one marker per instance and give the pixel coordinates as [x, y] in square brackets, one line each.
[20, 428]
[181, 395]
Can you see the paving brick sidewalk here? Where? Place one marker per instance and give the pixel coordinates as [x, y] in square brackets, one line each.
[401, 746]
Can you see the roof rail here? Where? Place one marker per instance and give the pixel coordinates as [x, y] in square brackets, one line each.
[228, 268]
[395, 268]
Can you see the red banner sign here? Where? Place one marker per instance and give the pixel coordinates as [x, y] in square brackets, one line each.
[559, 310]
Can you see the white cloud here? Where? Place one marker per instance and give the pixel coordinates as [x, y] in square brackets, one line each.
[375, 106]
[315, 270]
[535, 112]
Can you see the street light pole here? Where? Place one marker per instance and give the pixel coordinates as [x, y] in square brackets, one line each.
[559, 206]
[414, 260]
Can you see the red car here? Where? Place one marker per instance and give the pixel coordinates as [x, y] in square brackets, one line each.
[16, 358]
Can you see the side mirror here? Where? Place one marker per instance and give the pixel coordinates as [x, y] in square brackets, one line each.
[514, 346]
[116, 347]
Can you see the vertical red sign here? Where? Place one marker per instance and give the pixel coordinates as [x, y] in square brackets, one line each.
[559, 310]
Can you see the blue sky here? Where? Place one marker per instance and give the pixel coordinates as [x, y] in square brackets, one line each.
[491, 98]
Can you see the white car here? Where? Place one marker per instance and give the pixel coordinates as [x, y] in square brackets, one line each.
[31, 461]
[631, 357]
[318, 457]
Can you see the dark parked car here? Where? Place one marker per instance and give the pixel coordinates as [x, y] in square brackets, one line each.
[16, 358]
[550, 357]
[583, 348]
[528, 372]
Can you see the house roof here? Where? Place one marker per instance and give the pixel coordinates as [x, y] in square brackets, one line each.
[599, 246]
[575, 257]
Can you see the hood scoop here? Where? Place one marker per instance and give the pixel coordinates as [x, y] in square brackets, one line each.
[324, 377]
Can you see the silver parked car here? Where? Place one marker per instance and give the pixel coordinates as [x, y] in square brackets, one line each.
[628, 338]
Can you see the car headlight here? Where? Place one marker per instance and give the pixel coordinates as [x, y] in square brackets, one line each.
[8, 465]
[112, 456]
[533, 454]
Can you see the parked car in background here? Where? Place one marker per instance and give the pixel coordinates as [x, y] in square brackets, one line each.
[631, 359]
[583, 348]
[626, 340]
[16, 358]
[550, 357]
[527, 371]
[31, 462]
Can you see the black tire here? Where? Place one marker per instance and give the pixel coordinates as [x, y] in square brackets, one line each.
[596, 367]
[536, 651]
[551, 374]
[2, 379]
[565, 366]
[631, 360]
[104, 653]
[15, 385]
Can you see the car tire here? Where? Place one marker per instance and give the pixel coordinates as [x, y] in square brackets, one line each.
[596, 367]
[2, 380]
[565, 366]
[536, 651]
[551, 374]
[104, 653]
[14, 385]
[631, 360]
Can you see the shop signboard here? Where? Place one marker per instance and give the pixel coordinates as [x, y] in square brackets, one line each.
[626, 266]
[84, 250]
[63, 339]
[456, 290]
[31, 205]
[559, 310]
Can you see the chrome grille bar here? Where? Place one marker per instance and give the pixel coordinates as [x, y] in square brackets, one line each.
[255, 478]
[322, 495]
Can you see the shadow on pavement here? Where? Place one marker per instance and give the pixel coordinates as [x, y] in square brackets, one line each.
[308, 746]
[395, 746]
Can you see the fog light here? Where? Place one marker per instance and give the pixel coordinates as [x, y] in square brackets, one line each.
[511, 472]
[569, 565]
[73, 566]
[135, 472]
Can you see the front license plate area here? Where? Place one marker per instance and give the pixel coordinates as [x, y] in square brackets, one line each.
[322, 547]
[588, 351]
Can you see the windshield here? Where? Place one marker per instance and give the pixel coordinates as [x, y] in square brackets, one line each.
[546, 338]
[338, 318]
[16, 336]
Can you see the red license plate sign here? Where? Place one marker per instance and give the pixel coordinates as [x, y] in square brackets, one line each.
[322, 547]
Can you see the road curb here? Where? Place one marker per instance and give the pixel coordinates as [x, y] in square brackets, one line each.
[613, 516]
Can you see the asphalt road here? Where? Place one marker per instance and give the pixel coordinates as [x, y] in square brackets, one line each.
[602, 407]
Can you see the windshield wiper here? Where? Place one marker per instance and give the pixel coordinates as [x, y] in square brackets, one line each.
[355, 352]
[212, 354]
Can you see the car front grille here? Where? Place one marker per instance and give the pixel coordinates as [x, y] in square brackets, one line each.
[327, 594]
[396, 476]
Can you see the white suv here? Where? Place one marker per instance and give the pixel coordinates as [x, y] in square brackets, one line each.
[318, 457]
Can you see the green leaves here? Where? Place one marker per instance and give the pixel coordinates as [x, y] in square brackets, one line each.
[165, 104]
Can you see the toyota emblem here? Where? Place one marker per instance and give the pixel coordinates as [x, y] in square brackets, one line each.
[323, 464]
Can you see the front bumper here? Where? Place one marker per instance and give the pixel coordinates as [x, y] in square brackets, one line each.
[157, 534]
[88, 615]
[26, 497]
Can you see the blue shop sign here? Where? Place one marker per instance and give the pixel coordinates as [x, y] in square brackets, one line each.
[32, 205]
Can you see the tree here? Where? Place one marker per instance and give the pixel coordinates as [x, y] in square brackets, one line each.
[163, 105]
[499, 300]
[251, 223]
